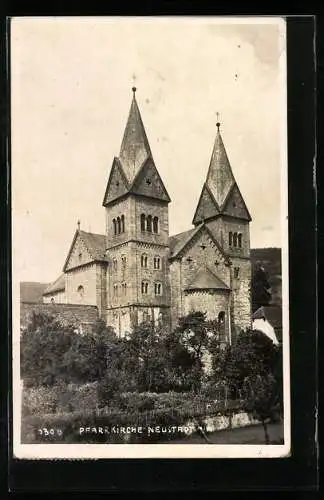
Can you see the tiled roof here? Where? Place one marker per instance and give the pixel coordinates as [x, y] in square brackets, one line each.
[134, 170]
[205, 279]
[96, 244]
[31, 291]
[220, 177]
[273, 314]
[57, 285]
[178, 241]
[68, 314]
[135, 148]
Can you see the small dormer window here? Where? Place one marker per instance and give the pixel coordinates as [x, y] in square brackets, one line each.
[117, 183]
[80, 256]
[148, 181]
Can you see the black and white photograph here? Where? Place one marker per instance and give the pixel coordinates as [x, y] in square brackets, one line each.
[150, 314]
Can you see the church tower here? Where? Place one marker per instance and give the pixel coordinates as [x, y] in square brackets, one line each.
[222, 209]
[137, 233]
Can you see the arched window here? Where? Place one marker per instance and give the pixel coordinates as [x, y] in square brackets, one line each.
[118, 225]
[149, 223]
[124, 288]
[124, 261]
[236, 273]
[158, 288]
[230, 238]
[155, 224]
[239, 240]
[221, 317]
[144, 287]
[115, 265]
[221, 325]
[144, 260]
[157, 262]
[115, 289]
[80, 291]
[122, 228]
[143, 225]
[235, 239]
[52, 300]
[115, 226]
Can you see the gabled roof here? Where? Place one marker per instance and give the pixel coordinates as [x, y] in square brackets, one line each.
[240, 209]
[67, 314]
[135, 165]
[207, 206]
[95, 244]
[117, 184]
[149, 183]
[205, 279]
[57, 286]
[273, 314]
[178, 242]
[220, 177]
[135, 148]
[220, 194]
[31, 291]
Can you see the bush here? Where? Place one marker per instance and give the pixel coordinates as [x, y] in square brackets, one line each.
[59, 398]
[39, 400]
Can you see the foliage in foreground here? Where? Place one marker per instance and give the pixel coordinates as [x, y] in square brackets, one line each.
[151, 361]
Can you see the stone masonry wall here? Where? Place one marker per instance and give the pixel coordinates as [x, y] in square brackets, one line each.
[82, 276]
[184, 269]
[58, 297]
[221, 228]
[211, 302]
[241, 295]
[101, 287]
[153, 208]
[79, 256]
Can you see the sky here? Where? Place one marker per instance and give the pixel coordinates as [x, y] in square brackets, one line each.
[71, 82]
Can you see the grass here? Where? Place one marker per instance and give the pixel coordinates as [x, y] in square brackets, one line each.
[252, 434]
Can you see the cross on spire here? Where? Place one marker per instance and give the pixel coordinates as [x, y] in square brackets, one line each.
[217, 116]
[134, 81]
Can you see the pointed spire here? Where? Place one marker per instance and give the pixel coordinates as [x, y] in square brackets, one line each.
[135, 148]
[220, 177]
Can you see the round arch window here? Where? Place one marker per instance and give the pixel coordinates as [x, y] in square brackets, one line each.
[80, 291]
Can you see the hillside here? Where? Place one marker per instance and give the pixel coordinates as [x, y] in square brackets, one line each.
[270, 259]
[32, 291]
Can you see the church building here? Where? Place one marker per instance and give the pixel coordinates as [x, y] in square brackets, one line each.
[137, 272]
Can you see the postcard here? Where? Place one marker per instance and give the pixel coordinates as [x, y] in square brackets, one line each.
[150, 311]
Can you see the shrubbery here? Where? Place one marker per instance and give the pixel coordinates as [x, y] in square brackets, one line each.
[148, 375]
[60, 398]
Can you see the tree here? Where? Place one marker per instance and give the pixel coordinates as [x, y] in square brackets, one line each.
[261, 398]
[53, 352]
[251, 368]
[43, 345]
[261, 289]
